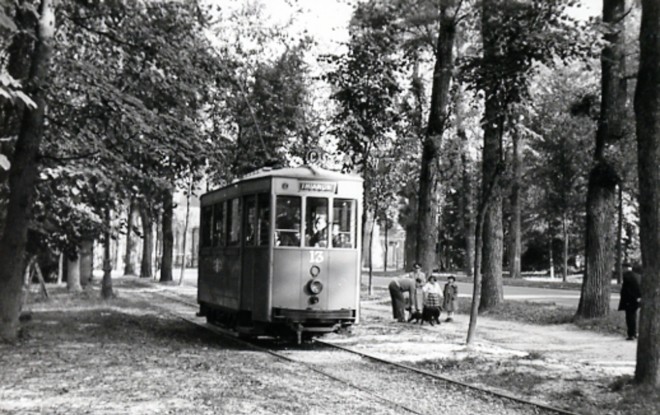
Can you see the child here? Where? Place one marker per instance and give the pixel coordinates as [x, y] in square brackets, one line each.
[432, 301]
[450, 303]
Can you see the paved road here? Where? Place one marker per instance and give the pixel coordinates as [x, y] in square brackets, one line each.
[568, 298]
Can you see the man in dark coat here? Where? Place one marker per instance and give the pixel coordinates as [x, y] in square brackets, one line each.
[397, 287]
[630, 299]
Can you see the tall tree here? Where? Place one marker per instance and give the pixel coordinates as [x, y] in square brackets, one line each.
[129, 263]
[603, 178]
[366, 87]
[647, 112]
[427, 235]
[492, 159]
[517, 36]
[23, 173]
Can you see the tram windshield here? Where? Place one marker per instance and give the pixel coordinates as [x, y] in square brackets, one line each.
[316, 222]
[287, 222]
[343, 223]
[319, 231]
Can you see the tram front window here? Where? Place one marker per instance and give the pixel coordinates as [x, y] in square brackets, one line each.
[287, 222]
[316, 222]
[343, 223]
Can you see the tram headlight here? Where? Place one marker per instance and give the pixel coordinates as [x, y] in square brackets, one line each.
[314, 271]
[313, 300]
[315, 287]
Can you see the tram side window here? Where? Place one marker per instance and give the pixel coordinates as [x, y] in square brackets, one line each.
[287, 222]
[218, 224]
[263, 219]
[343, 235]
[250, 212]
[206, 230]
[233, 222]
[316, 222]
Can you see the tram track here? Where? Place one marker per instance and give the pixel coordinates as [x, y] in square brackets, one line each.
[365, 363]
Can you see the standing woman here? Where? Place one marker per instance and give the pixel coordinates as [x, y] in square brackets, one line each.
[450, 303]
[397, 287]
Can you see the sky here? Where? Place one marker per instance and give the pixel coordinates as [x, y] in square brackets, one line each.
[326, 20]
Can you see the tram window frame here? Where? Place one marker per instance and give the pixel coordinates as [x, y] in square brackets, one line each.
[263, 219]
[249, 220]
[293, 233]
[315, 236]
[233, 231]
[218, 232]
[338, 220]
[206, 227]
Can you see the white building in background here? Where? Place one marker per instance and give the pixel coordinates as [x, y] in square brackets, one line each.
[388, 249]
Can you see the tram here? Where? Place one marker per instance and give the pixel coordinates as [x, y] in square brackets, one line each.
[280, 251]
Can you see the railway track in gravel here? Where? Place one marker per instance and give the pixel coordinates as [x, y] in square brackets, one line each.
[359, 370]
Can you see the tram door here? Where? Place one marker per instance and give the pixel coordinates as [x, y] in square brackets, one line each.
[256, 242]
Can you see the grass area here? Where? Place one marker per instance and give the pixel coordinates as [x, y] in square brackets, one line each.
[549, 314]
[529, 312]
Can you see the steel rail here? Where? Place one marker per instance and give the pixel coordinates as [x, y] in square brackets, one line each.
[502, 395]
[232, 336]
[499, 394]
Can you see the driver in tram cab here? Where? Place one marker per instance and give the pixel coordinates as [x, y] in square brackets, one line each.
[319, 236]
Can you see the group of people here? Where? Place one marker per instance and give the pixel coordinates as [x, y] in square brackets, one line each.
[415, 292]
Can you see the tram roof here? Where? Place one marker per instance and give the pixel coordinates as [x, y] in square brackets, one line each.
[301, 172]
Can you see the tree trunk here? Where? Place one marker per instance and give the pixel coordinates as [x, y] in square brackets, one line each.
[515, 247]
[86, 261]
[647, 113]
[129, 263]
[371, 250]
[489, 186]
[564, 236]
[106, 283]
[168, 237]
[22, 177]
[410, 247]
[491, 290]
[73, 274]
[438, 115]
[115, 254]
[386, 246]
[601, 195]
[146, 266]
[60, 268]
[185, 231]
[619, 238]
[551, 257]
[159, 245]
[466, 200]
[476, 286]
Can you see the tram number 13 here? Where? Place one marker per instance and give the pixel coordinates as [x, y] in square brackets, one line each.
[315, 257]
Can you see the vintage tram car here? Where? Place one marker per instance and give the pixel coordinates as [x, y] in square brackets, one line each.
[280, 253]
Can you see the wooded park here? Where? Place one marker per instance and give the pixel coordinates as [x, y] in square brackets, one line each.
[504, 136]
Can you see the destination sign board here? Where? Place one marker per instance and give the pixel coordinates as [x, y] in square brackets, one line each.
[318, 186]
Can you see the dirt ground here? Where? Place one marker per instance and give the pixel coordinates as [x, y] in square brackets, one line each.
[80, 355]
[560, 365]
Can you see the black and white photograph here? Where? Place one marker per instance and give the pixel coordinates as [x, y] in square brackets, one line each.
[330, 207]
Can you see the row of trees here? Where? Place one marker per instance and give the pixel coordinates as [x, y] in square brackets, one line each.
[483, 122]
[554, 140]
[109, 107]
